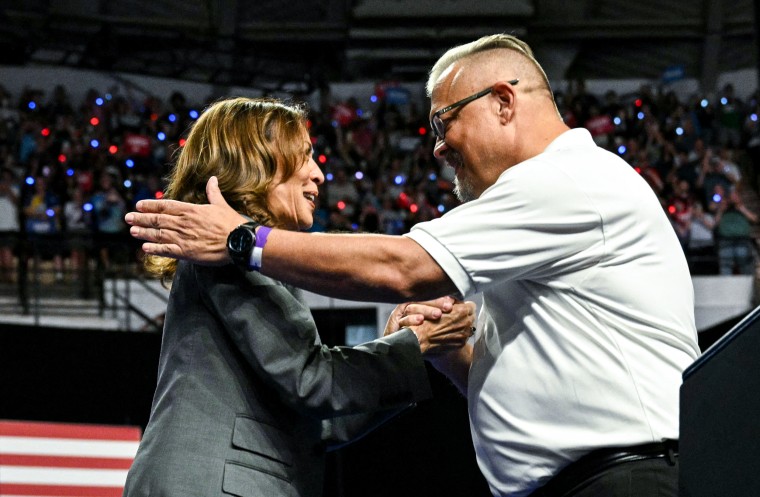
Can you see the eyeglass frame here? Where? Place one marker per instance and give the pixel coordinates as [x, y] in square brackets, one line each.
[437, 122]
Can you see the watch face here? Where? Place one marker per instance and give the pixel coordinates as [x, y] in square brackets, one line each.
[241, 242]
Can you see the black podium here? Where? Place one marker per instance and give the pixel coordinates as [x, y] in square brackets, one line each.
[720, 416]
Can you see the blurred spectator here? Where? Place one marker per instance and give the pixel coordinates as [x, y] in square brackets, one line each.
[582, 102]
[650, 174]
[9, 223]
[704, 111]
[339, 221]
[712, 180]
[109, 207]
[728, 167]
[146, 187]
[679, 209]
[736, 250]
[600, 126]
[369, 220]
[752, 134]
[342, 193]
[59, 104]
[393, 219]
[321, 216]
[701, 236]
[689, 135]
[701, 247]
[358, 143]
[42, 211]
[730, 117]
[77, 215]
[612, 105]
[28, 143]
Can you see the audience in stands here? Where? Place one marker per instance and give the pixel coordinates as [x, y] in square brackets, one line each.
[74, 169]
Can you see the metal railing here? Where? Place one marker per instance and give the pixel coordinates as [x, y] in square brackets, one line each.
[44, 282]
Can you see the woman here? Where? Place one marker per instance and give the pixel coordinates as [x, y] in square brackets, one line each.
[244, 382]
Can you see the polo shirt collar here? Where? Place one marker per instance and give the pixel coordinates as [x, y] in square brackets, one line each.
[572, 138]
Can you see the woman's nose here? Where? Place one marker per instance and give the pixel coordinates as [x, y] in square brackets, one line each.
[316, 173]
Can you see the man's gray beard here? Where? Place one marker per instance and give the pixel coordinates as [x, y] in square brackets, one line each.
[463, 190]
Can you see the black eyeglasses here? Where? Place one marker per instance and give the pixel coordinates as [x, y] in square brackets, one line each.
[437, 124]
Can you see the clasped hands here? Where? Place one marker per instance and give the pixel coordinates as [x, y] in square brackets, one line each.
[441, 325]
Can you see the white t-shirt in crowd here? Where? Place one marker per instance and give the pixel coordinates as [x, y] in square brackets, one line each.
[9, 211]
[587, 319]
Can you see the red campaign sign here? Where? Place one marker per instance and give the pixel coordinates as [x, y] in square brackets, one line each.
[137, 145]
[600, 125]
[343, 114]
[85, 181]
[382, 86]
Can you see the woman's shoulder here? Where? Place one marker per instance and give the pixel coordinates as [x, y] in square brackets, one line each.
[230, 274]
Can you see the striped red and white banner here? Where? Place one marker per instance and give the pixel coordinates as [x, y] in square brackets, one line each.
[65, 460]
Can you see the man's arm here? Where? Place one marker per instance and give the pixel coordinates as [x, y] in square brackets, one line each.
[455, 365]
[378, 268]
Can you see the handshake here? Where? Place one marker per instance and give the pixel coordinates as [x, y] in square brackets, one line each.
[443, 328]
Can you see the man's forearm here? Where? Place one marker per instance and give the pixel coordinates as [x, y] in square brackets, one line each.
[455, 366]
[378, 268]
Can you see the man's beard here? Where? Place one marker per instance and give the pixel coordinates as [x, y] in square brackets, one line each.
[464, 190]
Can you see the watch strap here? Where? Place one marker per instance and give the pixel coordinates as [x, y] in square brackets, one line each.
[238, 258]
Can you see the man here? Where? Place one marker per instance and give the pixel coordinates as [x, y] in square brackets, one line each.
[587, 316]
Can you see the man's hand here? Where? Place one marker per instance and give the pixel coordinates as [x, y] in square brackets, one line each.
[193, 232]
[403, 316]
[440, 325]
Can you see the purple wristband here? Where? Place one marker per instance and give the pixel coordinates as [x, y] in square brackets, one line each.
[258, 250]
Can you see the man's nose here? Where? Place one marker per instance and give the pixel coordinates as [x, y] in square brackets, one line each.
[439, 151]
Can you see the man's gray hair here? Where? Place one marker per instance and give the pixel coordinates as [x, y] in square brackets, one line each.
[490, 42]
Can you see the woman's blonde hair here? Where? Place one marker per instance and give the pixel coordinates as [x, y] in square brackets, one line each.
[244, 142]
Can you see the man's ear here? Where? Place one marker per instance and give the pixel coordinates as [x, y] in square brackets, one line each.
[505, 94]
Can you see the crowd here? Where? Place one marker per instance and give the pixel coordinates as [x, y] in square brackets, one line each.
[71, 170]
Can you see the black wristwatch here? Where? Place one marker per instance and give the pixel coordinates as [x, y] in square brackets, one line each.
[240, 244]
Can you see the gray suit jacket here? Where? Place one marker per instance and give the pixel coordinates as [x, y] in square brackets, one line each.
[244, 385]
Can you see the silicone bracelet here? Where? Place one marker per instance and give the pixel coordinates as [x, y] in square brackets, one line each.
[258, 250]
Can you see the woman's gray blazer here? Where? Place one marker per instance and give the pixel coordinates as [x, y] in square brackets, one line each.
[244, 385]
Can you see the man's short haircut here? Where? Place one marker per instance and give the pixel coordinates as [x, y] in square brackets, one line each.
[490, 42]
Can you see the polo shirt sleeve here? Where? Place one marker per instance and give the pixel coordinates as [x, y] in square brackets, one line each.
[535, 222]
